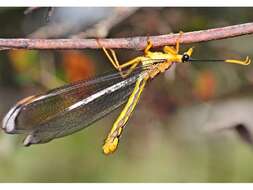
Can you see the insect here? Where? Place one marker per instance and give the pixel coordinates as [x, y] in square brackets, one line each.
[70, 108]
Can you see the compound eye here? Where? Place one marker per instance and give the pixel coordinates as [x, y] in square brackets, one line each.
[185, 58]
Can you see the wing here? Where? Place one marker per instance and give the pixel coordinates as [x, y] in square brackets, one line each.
[68, 109]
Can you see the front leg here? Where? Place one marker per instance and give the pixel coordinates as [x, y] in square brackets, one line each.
[172, 50]
[178, 41]
[148, 47]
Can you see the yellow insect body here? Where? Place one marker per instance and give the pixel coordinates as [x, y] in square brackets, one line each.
[149, 61]
[113, 138]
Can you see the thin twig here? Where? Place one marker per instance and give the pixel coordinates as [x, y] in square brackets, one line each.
[91, 28]
[30, 10]
[129, 43]
[50, 11]
[102, 28]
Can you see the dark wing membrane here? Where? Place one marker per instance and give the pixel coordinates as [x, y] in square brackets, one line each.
[68, 109]
[40, 108]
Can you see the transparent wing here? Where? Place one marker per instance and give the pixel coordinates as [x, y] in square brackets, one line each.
[68, 109]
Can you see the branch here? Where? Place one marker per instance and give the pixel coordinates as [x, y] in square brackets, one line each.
[102, 27]
[32, 9]
[129, 43]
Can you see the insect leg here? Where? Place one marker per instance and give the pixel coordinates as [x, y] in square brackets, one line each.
[148, 47]
[178, 41]
[172, 50]
[133, 63]
[112, 139]
[129, 71]
[169, 49]
[114, 63]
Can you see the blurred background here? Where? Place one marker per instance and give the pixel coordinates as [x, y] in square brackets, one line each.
[193, 123]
